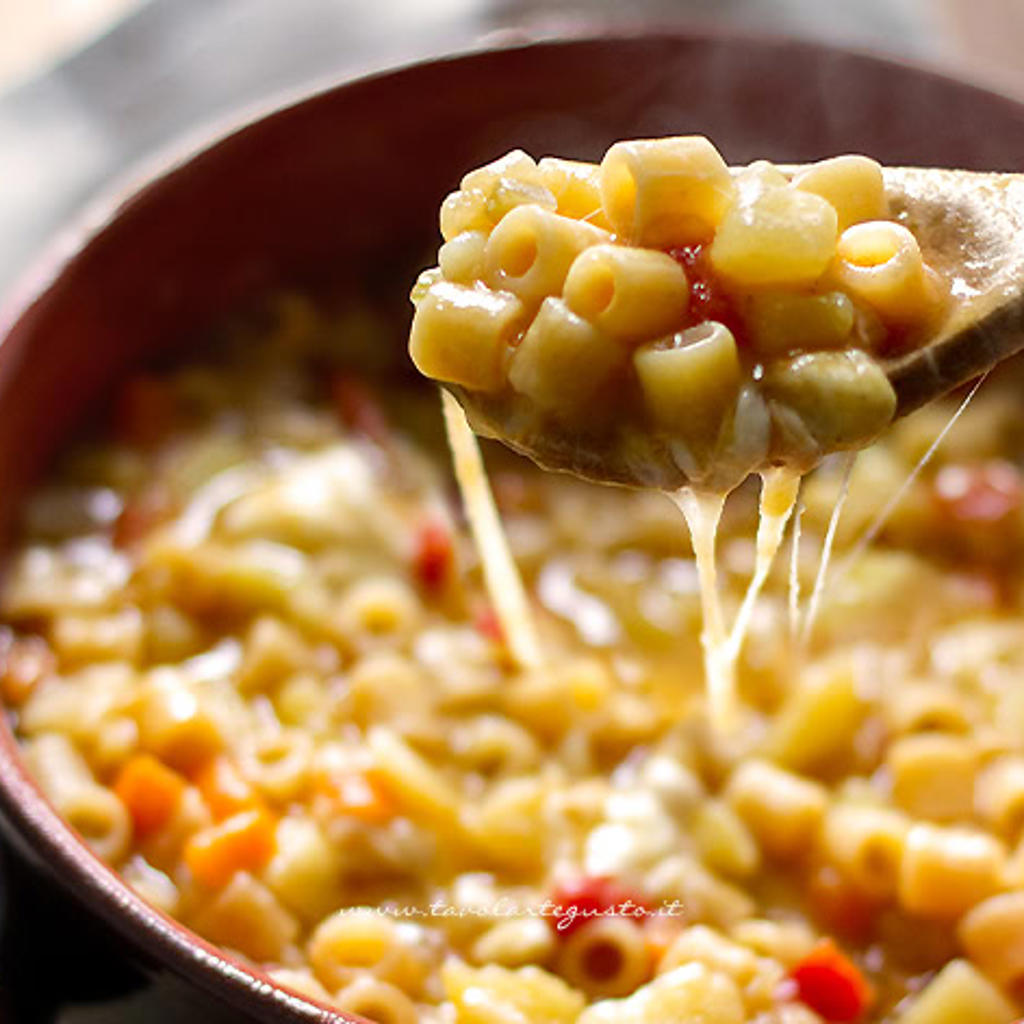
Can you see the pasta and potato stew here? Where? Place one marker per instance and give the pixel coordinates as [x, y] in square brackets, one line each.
[661, 319]
[255, 660]
[254, 665]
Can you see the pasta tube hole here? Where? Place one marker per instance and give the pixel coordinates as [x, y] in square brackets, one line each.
[520, 254]
[596, 291]
[602, 960]
[871, 245]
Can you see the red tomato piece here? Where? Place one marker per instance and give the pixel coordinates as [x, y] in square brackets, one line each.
[989, 492]
[434, 555]
[708, 301]
[831, 984]
[583, 899]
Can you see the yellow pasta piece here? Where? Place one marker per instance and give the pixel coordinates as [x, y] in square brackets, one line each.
[665, 192]
[606, 957]
[515, 165]
[999, 795]
[377, 1001]
[246, 916]
[946, 871]
[528, 995]
[92, 810]
[576, 187]
[515, 943]
[461, 335]
[853, 184]
[783, 810]
[563, 361]
[880, 263]
[529, 253]
[690, 380]
[356, 937]
[687, 993]
[631, 294]
[462, 259]
[866, 844]
[933, 775]
[992, 933]
[421, 790]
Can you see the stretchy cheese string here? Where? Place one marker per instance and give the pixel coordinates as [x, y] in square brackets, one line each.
[504, 584]
[794, 577]
[878, 523]
[826, 552]
[703, 513]
[779, 489]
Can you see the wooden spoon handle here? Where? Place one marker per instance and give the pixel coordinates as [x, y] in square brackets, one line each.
[936, 369]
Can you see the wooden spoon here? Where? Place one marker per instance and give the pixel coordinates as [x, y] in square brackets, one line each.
[971, 229]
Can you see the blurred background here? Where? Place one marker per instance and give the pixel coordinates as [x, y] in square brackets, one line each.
[89, 87]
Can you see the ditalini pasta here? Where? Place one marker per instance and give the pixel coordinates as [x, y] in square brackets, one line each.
[726, 322]
[254, 657]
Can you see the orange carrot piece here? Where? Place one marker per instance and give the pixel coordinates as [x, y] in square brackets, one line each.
[364, 796]
[224, 790]
[243, 842]
[150, 791]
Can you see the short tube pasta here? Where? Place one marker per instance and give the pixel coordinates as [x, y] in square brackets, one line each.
[999, 795]
[992, 933]
[783, 810]
[606, 957]
[866, 844]
[688, 380]
[630, 294]
[665, 192]
[379, 1001]
[946, 871]
[461, 334]
[853, 184]
[933, 775]
[563, 361]
[576, 187]
[529, 253]
[880, 263]
[90, 809]
[358, 938]
[462, 259]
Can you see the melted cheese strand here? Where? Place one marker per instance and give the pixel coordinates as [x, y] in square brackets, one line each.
[865, 540]
[826, 552]
[703, 513]
[501, 575]
[779, 489]
[794, 577]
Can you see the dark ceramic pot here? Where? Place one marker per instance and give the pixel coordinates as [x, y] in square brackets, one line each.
[340, 188]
